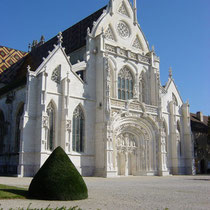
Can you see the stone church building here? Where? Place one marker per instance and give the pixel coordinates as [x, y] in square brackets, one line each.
[94, 90]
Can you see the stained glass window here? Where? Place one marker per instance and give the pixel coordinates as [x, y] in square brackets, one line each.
[125, 84]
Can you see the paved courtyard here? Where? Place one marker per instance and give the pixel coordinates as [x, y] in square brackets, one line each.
[129, 193]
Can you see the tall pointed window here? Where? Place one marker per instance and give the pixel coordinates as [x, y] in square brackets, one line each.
[2, 131]
[125, 84]
[51, 128]
[18, 128]
[78, 130]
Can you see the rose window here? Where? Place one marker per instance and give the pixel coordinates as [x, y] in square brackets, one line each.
[123, 30]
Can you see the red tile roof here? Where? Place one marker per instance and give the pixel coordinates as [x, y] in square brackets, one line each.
[9, 56]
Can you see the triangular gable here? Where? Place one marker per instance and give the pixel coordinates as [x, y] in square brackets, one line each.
[171, 82]
[123, 10]
[109, 34]
[137, 44]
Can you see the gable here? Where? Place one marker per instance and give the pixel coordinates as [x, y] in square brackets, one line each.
[121, 16]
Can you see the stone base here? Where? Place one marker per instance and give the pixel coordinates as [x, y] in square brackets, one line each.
[111, 174]
[164, 173]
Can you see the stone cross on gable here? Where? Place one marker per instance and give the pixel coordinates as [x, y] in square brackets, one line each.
[170, 72]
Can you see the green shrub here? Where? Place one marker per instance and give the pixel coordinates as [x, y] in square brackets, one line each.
[58, 179]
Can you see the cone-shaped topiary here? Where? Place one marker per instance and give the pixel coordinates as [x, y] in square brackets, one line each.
[58, 179]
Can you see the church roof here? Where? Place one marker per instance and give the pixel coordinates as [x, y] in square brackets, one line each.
[73, 38]
[197, 125]
[9, 56]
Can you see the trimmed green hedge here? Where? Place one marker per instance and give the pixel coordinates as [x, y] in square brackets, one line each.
[58, 179]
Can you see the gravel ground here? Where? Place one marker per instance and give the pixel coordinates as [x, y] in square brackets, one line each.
[129, 193]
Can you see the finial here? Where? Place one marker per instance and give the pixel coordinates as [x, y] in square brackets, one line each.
[42, 40]
[153, 48]
[111, 7]
[135, 12]
[60, 37]
[29, 47]
[170, 72]
[88, 31]
[29, 68]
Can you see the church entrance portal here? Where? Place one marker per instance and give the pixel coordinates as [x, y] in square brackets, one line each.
[126, 154]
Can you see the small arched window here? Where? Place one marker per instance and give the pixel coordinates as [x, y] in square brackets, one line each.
[174, 99]
[51, 127]
[125, 84]
[2, 131]
[18, 127]
[78, 130]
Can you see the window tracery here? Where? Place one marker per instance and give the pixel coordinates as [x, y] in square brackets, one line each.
[123, 30]
[78, 130]
[125, 84]
[56, 74]
[51, 127]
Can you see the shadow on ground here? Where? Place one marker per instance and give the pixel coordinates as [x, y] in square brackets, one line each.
[16, 192]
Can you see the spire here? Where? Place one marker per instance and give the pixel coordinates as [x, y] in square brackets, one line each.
[111, 7]
[60, 37]
[135, 12]
[170, 72]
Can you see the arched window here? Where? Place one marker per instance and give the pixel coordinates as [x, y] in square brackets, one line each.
[18, 127]
[125, 84]
[78, 130]
[174, 99]
[2, 131]
[51, 127]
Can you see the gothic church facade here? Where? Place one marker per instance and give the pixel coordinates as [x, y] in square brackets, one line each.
[95, 91]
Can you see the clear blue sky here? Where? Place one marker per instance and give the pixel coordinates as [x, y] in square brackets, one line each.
[179, 30]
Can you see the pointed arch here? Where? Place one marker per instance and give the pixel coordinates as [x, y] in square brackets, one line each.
[174, 99]
[78, 133]
[18, 126]
[125, 84]
[51, 113]
[2, 130]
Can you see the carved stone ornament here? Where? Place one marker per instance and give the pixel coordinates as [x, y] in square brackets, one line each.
[68, 125]
[109, 34]
[137, 44]
[125, 73]
[123, 30]
[126, 143]
[45, 122]
[122, 10]
[56, 75]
